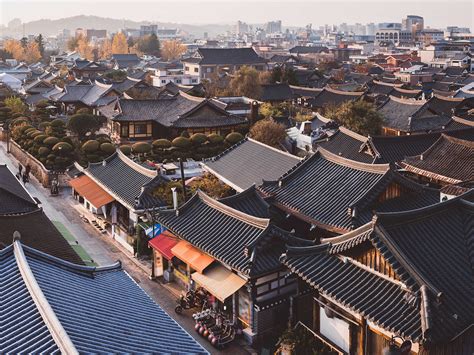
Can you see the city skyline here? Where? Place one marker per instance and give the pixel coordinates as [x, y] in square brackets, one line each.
[228, 12]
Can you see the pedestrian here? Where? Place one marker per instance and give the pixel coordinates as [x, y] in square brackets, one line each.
[20, 169]
[25, 178]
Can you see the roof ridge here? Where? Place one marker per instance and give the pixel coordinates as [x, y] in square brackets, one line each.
[386, 84]
[244, 193]
[348, 236]
[353, 134]
[58, 333]
[135, 166]
[258, 222]
[422, 212]
[446, 98]
[341, 92]
[373, 168]
[462, 121]
[407, 101]
[232, 147]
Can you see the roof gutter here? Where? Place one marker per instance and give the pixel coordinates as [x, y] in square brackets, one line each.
[59, 334]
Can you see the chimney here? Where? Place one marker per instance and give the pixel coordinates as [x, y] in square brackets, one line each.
[175, 198]
[254, 106]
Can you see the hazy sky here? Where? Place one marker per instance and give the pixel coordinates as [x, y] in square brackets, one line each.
[299, 12]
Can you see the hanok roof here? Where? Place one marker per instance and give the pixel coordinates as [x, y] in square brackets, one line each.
[300, 91]
[222, 56]
[249, 162]
[387, 149]
[330, 97]
[83, 309]
[248, 201]
[449, 159]
[276, 92]
[308, 49]
[335, 193]
[89, 94]
[411, 115]
[347, 144]
[14, 199]
[228, 235]
[181, 111]
[20, 212]
[124, 61]
[430, 251]
[125, 180]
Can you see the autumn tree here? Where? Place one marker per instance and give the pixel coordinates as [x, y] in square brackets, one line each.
[245, 82]
[84, 48]
[15, 48]
[269, 132]
[211, 185]
[31, 53]
[15, 104]
[358, 116]
[172, 50]
[119, 44]
[105, 49]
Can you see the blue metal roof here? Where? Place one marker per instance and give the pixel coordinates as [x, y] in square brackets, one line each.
[102, 310]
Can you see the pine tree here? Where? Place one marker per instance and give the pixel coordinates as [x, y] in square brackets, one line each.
[39, 40]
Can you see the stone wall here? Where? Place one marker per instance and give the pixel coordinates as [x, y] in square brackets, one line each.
[38, 170]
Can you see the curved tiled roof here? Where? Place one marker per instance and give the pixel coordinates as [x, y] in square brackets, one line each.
[125, 180]
[449, 159]
[83, 309]
[249, 162]
[431, 251]
[14, 198]
[248, 201]
[329, 97]
[323, 188]
[347, 144]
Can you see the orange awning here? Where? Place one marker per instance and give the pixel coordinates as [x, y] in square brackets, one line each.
[87, 188]
[192, 256]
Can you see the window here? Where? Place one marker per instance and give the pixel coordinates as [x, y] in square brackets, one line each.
[124, 130]
[140, 128]
[196, 70]
[163, 81]
[178, 81]
[194, 81]
[209, 70]
[335, 329]
[186, 68]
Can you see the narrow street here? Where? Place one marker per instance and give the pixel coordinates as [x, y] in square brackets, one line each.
[103, 250]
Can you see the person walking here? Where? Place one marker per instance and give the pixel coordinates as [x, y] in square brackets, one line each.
[27, 173]
[20, 169]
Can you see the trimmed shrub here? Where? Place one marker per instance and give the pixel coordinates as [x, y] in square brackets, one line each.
[198, 138]
[161, 144]
[43, 151]
[125, 149]
[107, 148]
[29, 129]
[141, 147]
[215, 138]
[51, 141]
[181, 142]
[43, 125]
[62, 147]
[40, 138]
[93, 158]
[57, 123]
[36, 134]
[51, 157]
[234, 137]
[185, 134]
[90, 146]
[102, 138]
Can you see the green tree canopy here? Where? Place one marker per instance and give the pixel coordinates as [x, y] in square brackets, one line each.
[82, 124]
[358, 116]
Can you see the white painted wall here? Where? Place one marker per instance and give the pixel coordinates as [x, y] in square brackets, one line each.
[335, 329]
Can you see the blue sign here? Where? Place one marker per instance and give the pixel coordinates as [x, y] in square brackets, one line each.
[158, 229]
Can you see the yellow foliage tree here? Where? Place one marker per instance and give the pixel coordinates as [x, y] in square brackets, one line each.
[84, 48]
[119, 44]
[105, 49]
[31, 53]
[15, 48]
[172, 49]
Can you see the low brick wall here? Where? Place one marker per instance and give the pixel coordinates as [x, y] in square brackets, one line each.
[38, 170]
